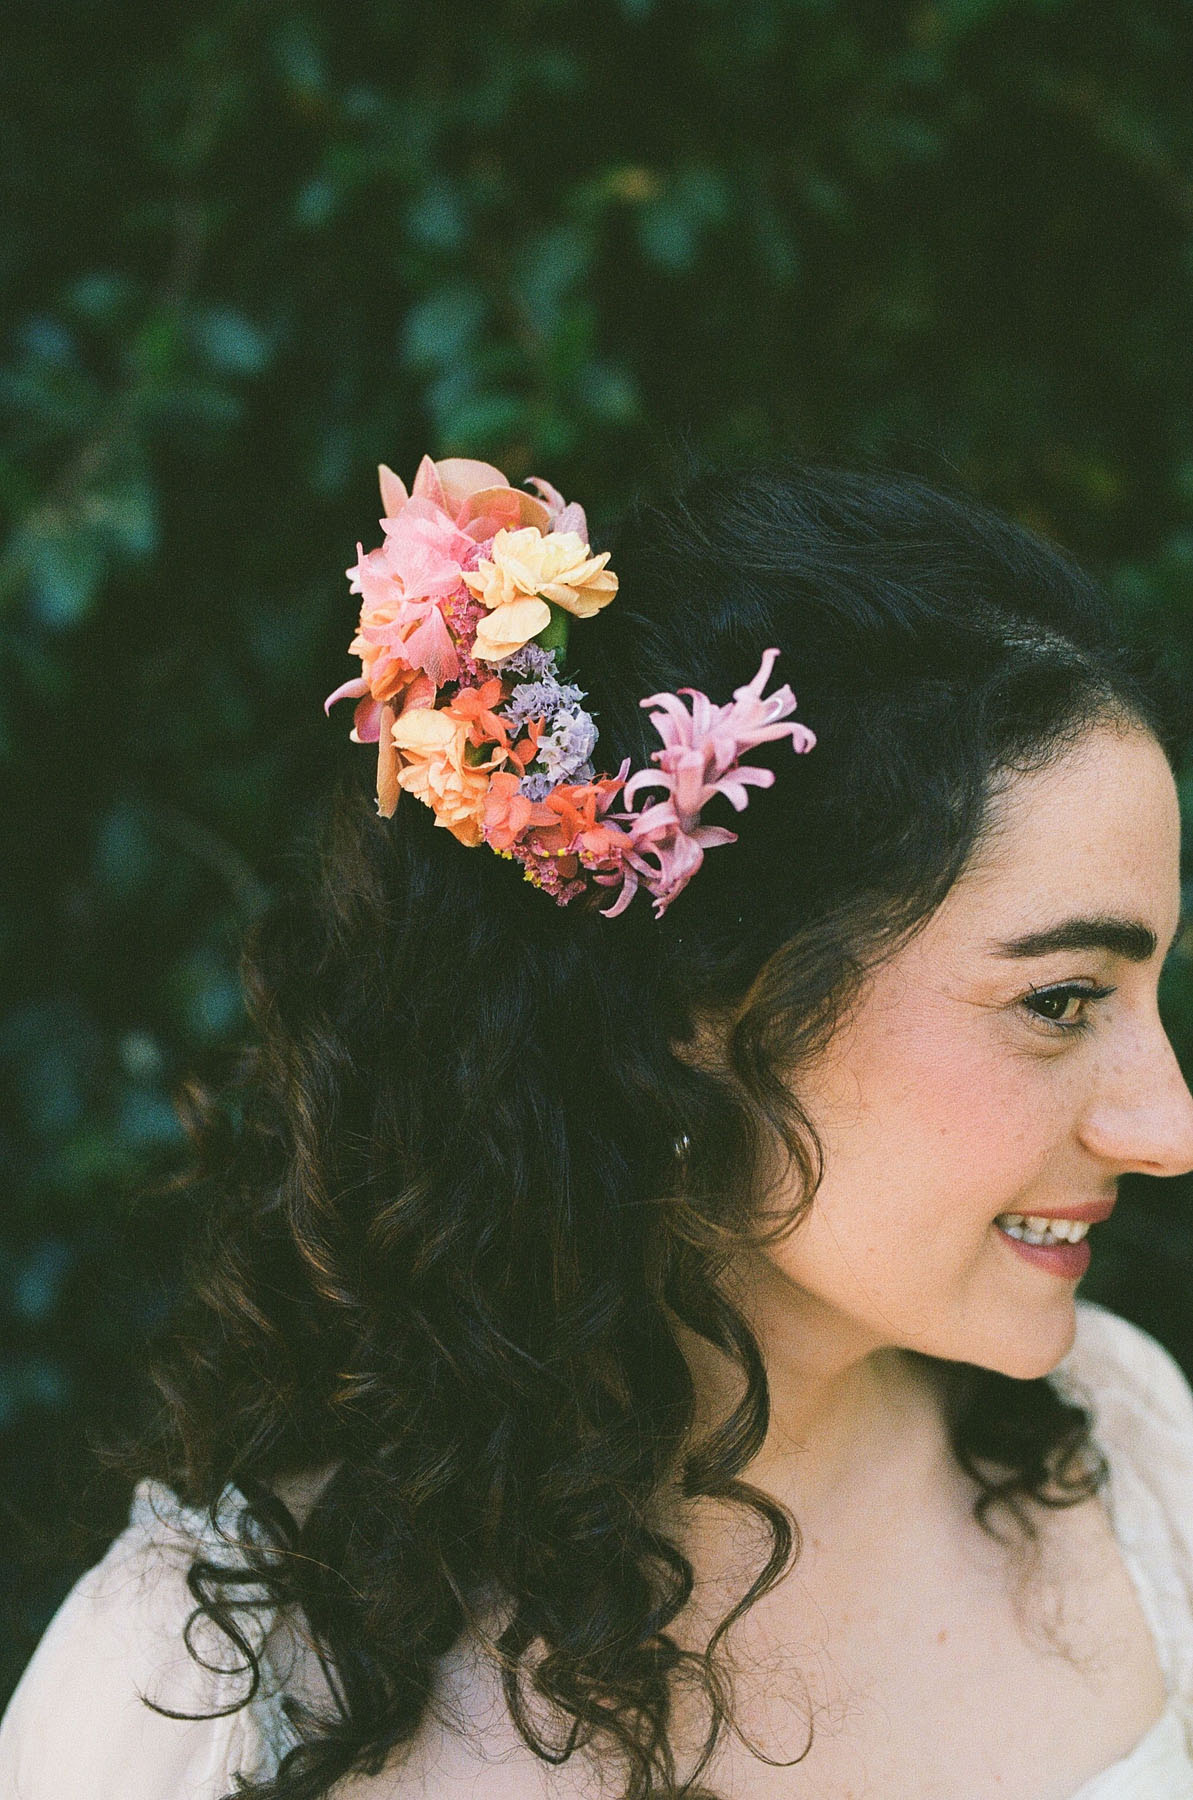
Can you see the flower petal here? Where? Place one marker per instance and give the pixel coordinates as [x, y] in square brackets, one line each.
[508, 627]
[347, 690]
[502, 508]
[427, 485]
[393, 491]
[460, 477]
[429, 646]
[388, 789]
[366, 724]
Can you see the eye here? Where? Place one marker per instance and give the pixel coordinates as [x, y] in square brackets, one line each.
[1065, 1007]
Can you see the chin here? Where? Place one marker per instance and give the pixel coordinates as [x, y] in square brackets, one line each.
[1027, 1354]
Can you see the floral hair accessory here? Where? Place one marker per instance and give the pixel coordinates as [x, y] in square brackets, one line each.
[465, 612]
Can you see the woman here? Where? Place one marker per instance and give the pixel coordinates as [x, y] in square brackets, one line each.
[634, 1345]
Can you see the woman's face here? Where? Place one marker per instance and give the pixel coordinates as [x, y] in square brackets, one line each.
[1009, 1059]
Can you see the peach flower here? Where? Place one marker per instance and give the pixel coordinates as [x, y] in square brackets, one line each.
[507, 628]
[434, 768]
[523, 571]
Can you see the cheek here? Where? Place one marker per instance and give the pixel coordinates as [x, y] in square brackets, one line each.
[927, 1136]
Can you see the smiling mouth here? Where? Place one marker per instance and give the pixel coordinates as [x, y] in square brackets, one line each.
[1033, 1230]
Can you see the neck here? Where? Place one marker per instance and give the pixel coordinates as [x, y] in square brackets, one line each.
[849, 1416]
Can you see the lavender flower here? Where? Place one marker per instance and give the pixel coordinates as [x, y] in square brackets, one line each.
[567, 746]
[532, 660]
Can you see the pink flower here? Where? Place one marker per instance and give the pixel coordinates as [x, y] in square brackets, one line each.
[699, 758]
[403, 583]
[474, 496]
[431, 536]
[561, 515]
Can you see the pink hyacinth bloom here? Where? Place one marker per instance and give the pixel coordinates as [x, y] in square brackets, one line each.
[699, 758]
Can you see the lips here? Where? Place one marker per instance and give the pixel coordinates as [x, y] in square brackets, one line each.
[1069, 1261]
[1092, 1213]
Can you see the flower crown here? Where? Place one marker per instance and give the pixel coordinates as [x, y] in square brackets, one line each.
[464, 622]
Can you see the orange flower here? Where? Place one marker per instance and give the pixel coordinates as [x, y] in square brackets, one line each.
[508, 813]
[475, 704]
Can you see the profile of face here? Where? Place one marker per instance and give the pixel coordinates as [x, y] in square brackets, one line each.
[1008, 1059]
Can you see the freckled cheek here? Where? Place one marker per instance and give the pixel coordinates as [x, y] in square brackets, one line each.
[975, 1131]
[955, 1135]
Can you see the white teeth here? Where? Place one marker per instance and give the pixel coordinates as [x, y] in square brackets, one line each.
[1032, 1229]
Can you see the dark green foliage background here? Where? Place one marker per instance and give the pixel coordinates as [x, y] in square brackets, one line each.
[253, 249]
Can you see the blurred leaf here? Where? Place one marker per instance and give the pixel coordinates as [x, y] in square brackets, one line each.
[29, 1383]
[670, 226]
[299, 57]
[65, 565]
[483, 419]
[141, 1057]
[207, 996]
[155, 351]
[148, 1119]
[551, 265]
[124, 858]
[46, 339]
[437, 219]
[51, 1048]
[99, 295]
[230, 342]
[317, 203]
[443, 327]
[37, 1279]
[125, 513]
[608, 391]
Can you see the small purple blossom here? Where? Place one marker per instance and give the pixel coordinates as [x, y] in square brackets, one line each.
[534, 699]
[567, 747]
[530, 660]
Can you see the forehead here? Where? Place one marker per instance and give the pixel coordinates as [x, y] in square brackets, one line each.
[1097, 832]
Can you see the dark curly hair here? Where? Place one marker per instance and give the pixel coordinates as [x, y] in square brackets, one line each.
[444, 1232]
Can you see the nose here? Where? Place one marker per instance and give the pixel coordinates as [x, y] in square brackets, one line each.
[1141, 1117]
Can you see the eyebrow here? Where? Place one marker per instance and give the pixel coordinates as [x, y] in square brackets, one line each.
[1128, 938]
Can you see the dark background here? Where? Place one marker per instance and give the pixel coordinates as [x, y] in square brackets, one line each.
[252, 249]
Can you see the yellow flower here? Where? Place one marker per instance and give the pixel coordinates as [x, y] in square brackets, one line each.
[505, 629]
[529, 566]
[433, 768]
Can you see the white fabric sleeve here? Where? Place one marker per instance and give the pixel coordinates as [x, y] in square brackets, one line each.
[76, 1727]
[1142, 1409]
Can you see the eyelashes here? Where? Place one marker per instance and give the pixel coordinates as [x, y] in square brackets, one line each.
[1048, 1006]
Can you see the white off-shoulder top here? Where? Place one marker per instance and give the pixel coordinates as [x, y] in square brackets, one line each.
[76, 1728]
